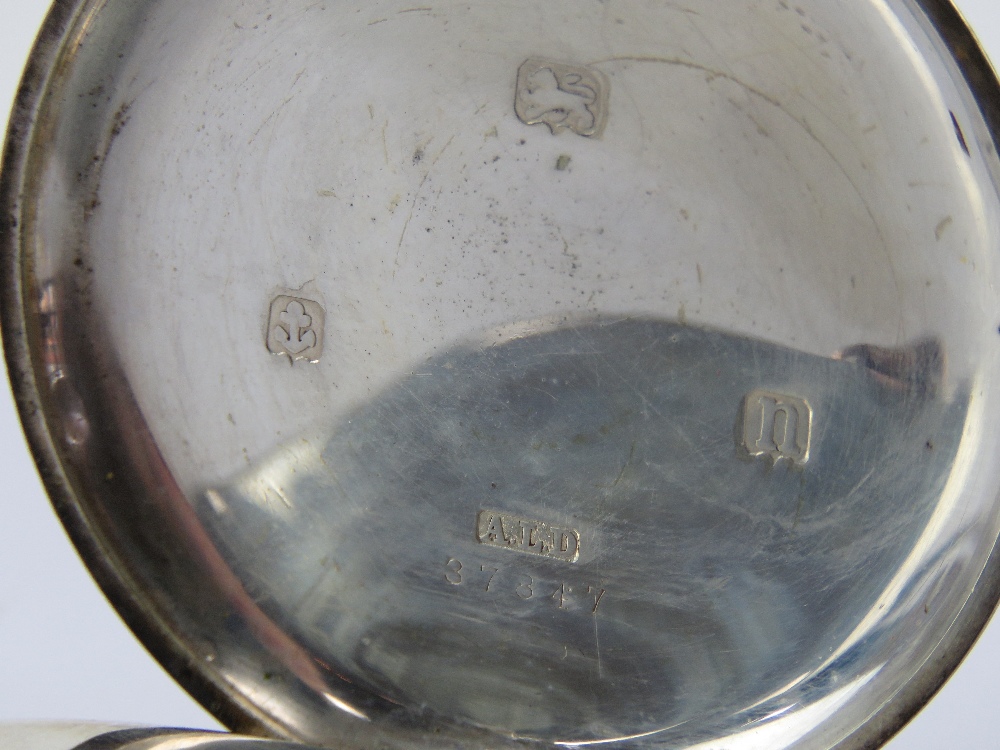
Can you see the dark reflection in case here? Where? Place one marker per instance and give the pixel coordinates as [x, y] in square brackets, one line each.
[708, 578]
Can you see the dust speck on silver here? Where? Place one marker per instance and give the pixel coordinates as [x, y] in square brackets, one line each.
[295, 328]
[562, 96]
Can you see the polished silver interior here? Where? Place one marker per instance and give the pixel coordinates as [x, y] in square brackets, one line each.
[475, 374]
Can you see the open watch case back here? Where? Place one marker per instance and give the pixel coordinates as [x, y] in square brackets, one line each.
[490, 374]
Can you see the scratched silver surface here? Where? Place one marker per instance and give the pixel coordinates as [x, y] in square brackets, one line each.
[481, 374]
[707, 582]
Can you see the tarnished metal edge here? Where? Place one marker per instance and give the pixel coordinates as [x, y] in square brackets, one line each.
[111, 575]
[885, 722]
[164, 739]
[18, 328]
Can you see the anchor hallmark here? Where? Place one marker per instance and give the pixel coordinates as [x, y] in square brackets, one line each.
[295, 328]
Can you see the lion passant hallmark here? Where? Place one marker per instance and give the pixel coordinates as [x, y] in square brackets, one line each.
[562, 96]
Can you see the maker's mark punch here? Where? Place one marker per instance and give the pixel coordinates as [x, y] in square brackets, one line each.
[518, 534]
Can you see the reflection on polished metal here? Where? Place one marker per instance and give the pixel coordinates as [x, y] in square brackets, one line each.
[86, 736]
[670, 424]
[761, 563]
[176, 739]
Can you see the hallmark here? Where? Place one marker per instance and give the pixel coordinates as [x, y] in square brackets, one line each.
[530, 537]
[562, 96]
[778, 426]
[295, 328]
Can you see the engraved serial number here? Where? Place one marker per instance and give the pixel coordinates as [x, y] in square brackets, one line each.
[518, 584]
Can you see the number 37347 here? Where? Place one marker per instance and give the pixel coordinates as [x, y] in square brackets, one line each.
[517, 583]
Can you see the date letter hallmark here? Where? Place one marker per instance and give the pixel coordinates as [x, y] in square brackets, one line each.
[295, 328]
[562, 96]
[530, 537]
[777, 426]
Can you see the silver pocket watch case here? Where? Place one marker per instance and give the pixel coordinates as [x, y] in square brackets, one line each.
[506, 374]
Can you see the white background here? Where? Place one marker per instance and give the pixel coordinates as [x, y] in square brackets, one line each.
[64, 654]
